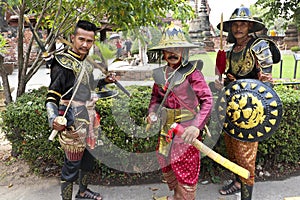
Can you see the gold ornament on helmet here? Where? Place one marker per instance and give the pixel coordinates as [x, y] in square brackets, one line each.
[242, 14]
[172, 37]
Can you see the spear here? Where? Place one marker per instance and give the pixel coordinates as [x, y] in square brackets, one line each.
[221, 55]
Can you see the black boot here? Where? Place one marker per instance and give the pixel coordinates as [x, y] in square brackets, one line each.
[246, 192]
[66, 190]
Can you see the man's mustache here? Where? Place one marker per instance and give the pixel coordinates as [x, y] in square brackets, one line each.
[83, 48]
[238, 32]
[173, 57]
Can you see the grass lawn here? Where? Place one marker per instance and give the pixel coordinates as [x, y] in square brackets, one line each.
[288, 64]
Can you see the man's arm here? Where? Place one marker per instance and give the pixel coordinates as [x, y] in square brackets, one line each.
[54, 94]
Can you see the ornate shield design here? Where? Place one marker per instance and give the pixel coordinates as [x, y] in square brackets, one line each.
[249, 110]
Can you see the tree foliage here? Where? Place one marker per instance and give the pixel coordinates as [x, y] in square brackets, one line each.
[2, 44]
[274, 9]
[59, 16]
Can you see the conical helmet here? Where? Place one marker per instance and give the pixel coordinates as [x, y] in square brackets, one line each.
[242, 14]
[173, 36]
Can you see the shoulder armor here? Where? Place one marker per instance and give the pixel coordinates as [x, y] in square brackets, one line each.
[67, 61]
[158, 75]
[262, 51]
[180, 75]
[183, 72]
[199, 64]
[259, 45]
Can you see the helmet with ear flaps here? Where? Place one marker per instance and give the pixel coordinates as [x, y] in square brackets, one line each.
[173, 37]
[242, 14]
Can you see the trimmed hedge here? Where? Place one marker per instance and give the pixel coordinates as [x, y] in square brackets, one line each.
[284, 145]
[125, 146]
[26, 127]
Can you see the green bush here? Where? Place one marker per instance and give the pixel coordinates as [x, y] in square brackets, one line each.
[123, 127]
[25, 125]
[284, 145]
[295, 48]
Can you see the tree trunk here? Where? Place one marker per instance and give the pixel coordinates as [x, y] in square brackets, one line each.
[143, 53]
[21, 67]
[3, 23]
[5, 82]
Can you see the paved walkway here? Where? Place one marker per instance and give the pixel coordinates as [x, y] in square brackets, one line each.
[49, 189]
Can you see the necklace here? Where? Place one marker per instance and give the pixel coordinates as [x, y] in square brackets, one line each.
[241, 45]
[238, 48]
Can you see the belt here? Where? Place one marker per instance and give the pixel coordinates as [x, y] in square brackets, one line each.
[169, 116]
[74, 103]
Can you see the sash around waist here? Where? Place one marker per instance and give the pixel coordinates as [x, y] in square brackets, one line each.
[170, 116]
[73, 103]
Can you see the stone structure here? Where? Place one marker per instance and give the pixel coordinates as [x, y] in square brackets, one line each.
[199, 30]
[291, 36]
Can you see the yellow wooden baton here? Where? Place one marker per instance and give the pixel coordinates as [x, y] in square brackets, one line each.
[178, 129]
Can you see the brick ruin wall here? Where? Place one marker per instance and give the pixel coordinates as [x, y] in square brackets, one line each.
[11, 55]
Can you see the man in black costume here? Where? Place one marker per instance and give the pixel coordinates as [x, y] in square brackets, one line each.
[71, 84]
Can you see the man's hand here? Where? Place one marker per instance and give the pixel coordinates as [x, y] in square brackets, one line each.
[219, 84]
[151, 118]
[58, 125]
[231, 77]
[190, 134]
[110, 78]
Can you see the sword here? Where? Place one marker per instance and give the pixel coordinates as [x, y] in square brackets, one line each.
[117, 83]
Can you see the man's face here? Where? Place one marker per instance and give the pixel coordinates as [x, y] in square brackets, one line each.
[240, 28]
[173, 56]
[83, 40]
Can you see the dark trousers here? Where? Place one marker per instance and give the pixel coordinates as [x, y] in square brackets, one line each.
[70, 169]
[73, 170]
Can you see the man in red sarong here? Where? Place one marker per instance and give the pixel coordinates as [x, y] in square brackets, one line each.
[180, 94]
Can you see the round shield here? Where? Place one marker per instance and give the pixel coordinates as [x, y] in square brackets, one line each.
[249, 110]
[107, 94]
